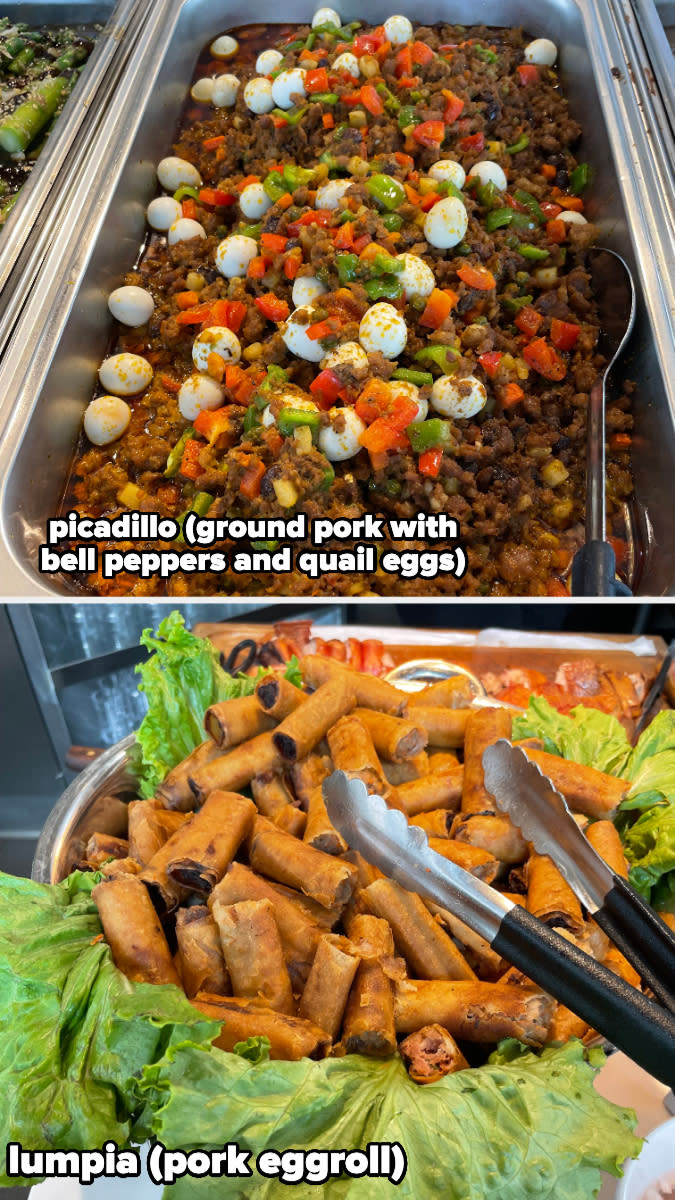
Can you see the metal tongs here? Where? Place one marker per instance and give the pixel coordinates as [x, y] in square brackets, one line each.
[626, 1017]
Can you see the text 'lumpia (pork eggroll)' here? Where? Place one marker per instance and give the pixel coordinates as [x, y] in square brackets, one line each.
[290, 1038]
[133, 932]
[202, 964]
[252, 950]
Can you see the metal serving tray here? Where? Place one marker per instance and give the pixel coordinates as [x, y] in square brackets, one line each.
[655, 23]
[48, 372]
[27, 231]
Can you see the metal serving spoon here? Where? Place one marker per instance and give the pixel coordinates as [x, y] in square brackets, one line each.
[594, 564]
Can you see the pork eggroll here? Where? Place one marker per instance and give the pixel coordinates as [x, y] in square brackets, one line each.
[367, 873]
[119, 866]
[232, 771]
[605, 840]
[496, 834]
[290, 1038]
[292, 820]
[251, 945]
[484, 727]
[150, 826]
[436, 824]
[424, 944]
[202, 849]
[368, 1024]
[441, 760]
[133, 932]
[403, 772]
[302, 729]
[319, 830]
[393, 738]
[430, 1054]
[586, 790]
[550, 897]
[175, 792]
[474, 1011]
[565, 1025]
[473, 859]
[454, 692]
[353, 752]
[201, 957]
[102, 846]
[329, 881]
[274, 801]
[370, 692]
[277, 696]
[488, 964]
[445, 727]
[307, 775]
[615, 961]
[233, 721]
[330, 979]
[438, 789]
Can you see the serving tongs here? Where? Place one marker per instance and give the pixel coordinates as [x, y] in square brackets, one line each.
[626, 1017]
[520, 789]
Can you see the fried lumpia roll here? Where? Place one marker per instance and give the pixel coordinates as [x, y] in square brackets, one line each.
[133, 932]
[441, 760]
[566, 1025]
[474, 1012]
[290, 1038]
[426, 947]
[615, 961]
[330, 979]
[550, 897]
[455, 692]
[119, 866]
[586, 790]
[233, 721]
[251, 945]
[439, 789]
[319, 830]
[487, 963]
[201, 957]
[370, 692]
[235, 770]
[496, 834]
[403, 772]
[605, 840]
[299, 933]
[103, 845]
[368, 1024]
[329, 881]
[436, 824]
[307, 775]
[292, 820]
[202, 849]
[484, 726]
[668, 919]
[367, 873]
[473, 859]
[445, 727]
[175, 792]
[300, 732]
[278, 697]
[150, 826]
[430, 1054]
[393, 738]
[274, 801]
[352, 751]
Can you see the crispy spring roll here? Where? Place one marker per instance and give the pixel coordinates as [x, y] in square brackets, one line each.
[550, 897]
[307, 775]
[473, 859]
[235, 770]
[367, 873]
[496, 834]
[394, 739]
[668, 919]
[298, 932]
[439, 789]
[275, 802]
[605, 840]
[175, 792]
[436, 824]
[103, 845]
[440, 760]
[320, 831]
[233, 721]
[474, 1012]
[426, 947]
[445, 727]
[292, 820]
[403, 772]
[202, 850]
[489, 964]
[370, 692]
[201, 957]
[615, 961]
[330, 979]
[299, 732]
[485, 726]
[455, 692]
[290, 1038]
[368, 1025]
[328, 880]
[353, 752]
[119, 866]
[566, 1025]
[586, 790]
[150, 826]
[253, 954]
[133, 932]
[278, 697]
[430, 1054]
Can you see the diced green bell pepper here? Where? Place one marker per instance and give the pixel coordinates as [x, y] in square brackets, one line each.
[386, 287]
[426, 435]
[499, 218]
[392, 221]
[531, 204]
[408, 116]
[347, 267]
[580, 178]
[387, 191]
[186, 191]
[514, 304]
[532, 252]
[419, 378]
[445, 358]
[295, 177]
[522, 144]
[290, 419]
[383, 264]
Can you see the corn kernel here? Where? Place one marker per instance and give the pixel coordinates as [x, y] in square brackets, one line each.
[285, 492]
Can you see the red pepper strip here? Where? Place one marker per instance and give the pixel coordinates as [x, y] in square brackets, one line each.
[257, 267]
[170, 385]
[477, 277]
[427, 202]
[453, 106]
[421, 54]
[230, 313]
[473, 144]
[528, 321]
[214, 142]
[544, 360]
[194, 316]
[528, 73]
[371, 101]
[564, 334]
[214, 198]
[511, 394]
[316, 81]
[190, 466]
[429, 133]
[326, 388]
[251, 480]
[240, 385]
[429, 463]
[511, 202]
[490, 362]
[321, 216]
[274, 242]
[272, 307]
[292, 263]
[189, 209]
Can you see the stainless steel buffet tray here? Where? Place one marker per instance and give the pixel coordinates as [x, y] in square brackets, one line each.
[655, 23]
[42, 203]
[48, 371]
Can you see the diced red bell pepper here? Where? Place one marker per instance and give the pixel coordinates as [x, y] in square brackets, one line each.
[528, 321]
[564, 334]
[344, 237]
[214, 198]
[230, 313]
[319, 216]
[409, 81]
[169, 384]
[189, 208]
[292, 263]
[421, 54]
[528, 73]
[427, 202]
[571, 203]
[620, 441]
[186, 300]
[251, 480]
[429, 462]
[272, 307]
[194, 316]
[257, 267]
[274, 242]
[404, 61]
[429, 133]
[398, 411]
[477, 277]
[361, 242]
[550, 209]
[544, 360]
[190, 465]
[439, 306]
[240, 385]
[473, 144]
[316, 81]
[214, 142]
[326, 388]
[371, 100]
[211, 424]
[453, 106]
[511, 202]
[381, 436]
[511, 394]
[490, 362]
[367, 43]
[319, 330]
[556, 231]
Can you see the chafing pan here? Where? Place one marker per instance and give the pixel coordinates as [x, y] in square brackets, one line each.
[47, 375]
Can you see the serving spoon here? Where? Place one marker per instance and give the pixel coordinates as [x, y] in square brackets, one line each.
[594, 564]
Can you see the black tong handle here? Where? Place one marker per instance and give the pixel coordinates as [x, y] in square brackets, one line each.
[651, 945]
[606, 1002]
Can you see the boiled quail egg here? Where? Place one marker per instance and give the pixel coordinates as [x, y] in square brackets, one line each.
[446, 223]
[202, 90]
[295, 335]
[258, 96]
[184, 229]
[286, 85]
[541, 51]
[572, 218]
[199, 392]
[305, 289]
[349, 63]
[398, 30]
[383, 328]
[401, 387]
[326, 16]
[217, 339]
[340, 439]
[225, 88]
[224, 46]
[348, 354]
[268, 61]
[330, 194]
[234, 254]
[289, 400]
[174, 173]
[105, 419]
[458, 397]
[131, 305]
[417, 279]
[162, 212]
[254, 201]
[490, 172]
[447, 168]
[125, 374]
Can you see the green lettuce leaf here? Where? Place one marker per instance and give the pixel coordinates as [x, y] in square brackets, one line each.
[587, 735]
[650, 849]
[522, 1126]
